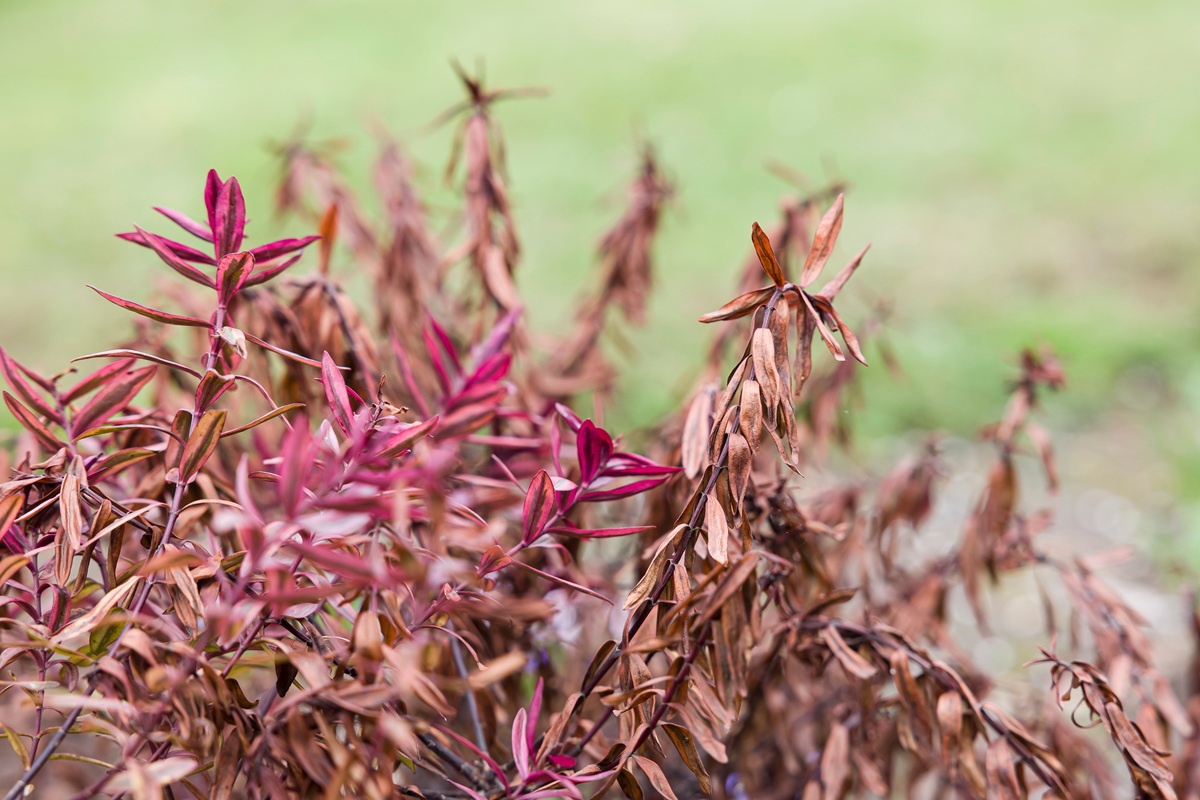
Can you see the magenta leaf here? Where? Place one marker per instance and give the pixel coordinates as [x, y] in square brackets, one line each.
[594, 446]
[637, 487]
[264, 275]
[112, 399]
[229, 218]
[31, 423]
[599, 533]
[231, 274]
[265, 252]
[539, 507]
[152, 313]
[335, 392]
[97, 378]
[181, 250]
[12, 374]
[187, 223]
[173, 261]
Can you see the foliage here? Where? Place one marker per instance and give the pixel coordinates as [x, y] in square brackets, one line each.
[342, 557]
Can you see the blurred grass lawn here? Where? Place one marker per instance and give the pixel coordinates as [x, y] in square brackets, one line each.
[1026, 171]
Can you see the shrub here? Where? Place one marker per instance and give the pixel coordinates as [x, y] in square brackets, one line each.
[379, 553]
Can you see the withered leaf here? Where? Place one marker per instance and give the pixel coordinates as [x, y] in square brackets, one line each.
[740, 306]
[717, 527]
[766, 256]
[854, 664]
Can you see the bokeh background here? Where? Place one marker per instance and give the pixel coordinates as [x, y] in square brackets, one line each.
[1027, 173]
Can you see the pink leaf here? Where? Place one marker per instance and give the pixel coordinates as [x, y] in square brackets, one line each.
[152, 313]
[335, 392]
[539, 506]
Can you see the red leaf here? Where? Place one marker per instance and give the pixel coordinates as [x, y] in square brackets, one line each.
[594, 447]
[599, 533]
[408, 437]
[229, 221]
[539, 506]
[275, 412]
[187, 223]
[231, 275]
[173, 261]
[280, 351]
[152, 313]
[180, 250]
[262, 276]
[126, 357]
[96, 379]
[637, 487]
[201, 444]
[12, 374]
[265, 252]
[31, 423]
[112, 399]
[335, 392]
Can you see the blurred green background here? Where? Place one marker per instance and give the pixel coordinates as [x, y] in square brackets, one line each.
[1026, 171]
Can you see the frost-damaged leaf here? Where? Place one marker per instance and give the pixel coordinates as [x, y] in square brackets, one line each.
[742, 571]
[70, 509]
[657, 779]
[740, 306]
[272, 414]
[629, 784]
[717, 528]
[31, 423]
[830, 290]
[762, 349]
[682, 739]
[823, 242]
[173, 261]
[835, 761]
[152, 313]
[112, 399]
[766, 255]
[12, 374]
[201, 444]
[750, 414]
[853, 663]
[231, 274]
[335, 392]
[826, 334]
[655, 570]
[694, 443]
[147, 780]
[741, 461]
[83, 625]
[539, 507]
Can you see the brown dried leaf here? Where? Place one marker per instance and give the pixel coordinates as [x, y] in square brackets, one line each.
[717, 527]
[766, 255]
[852, 662]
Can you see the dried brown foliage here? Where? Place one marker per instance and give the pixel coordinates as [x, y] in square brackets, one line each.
[367, 553]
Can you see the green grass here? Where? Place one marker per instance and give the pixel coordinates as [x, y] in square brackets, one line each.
[1026, 171]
